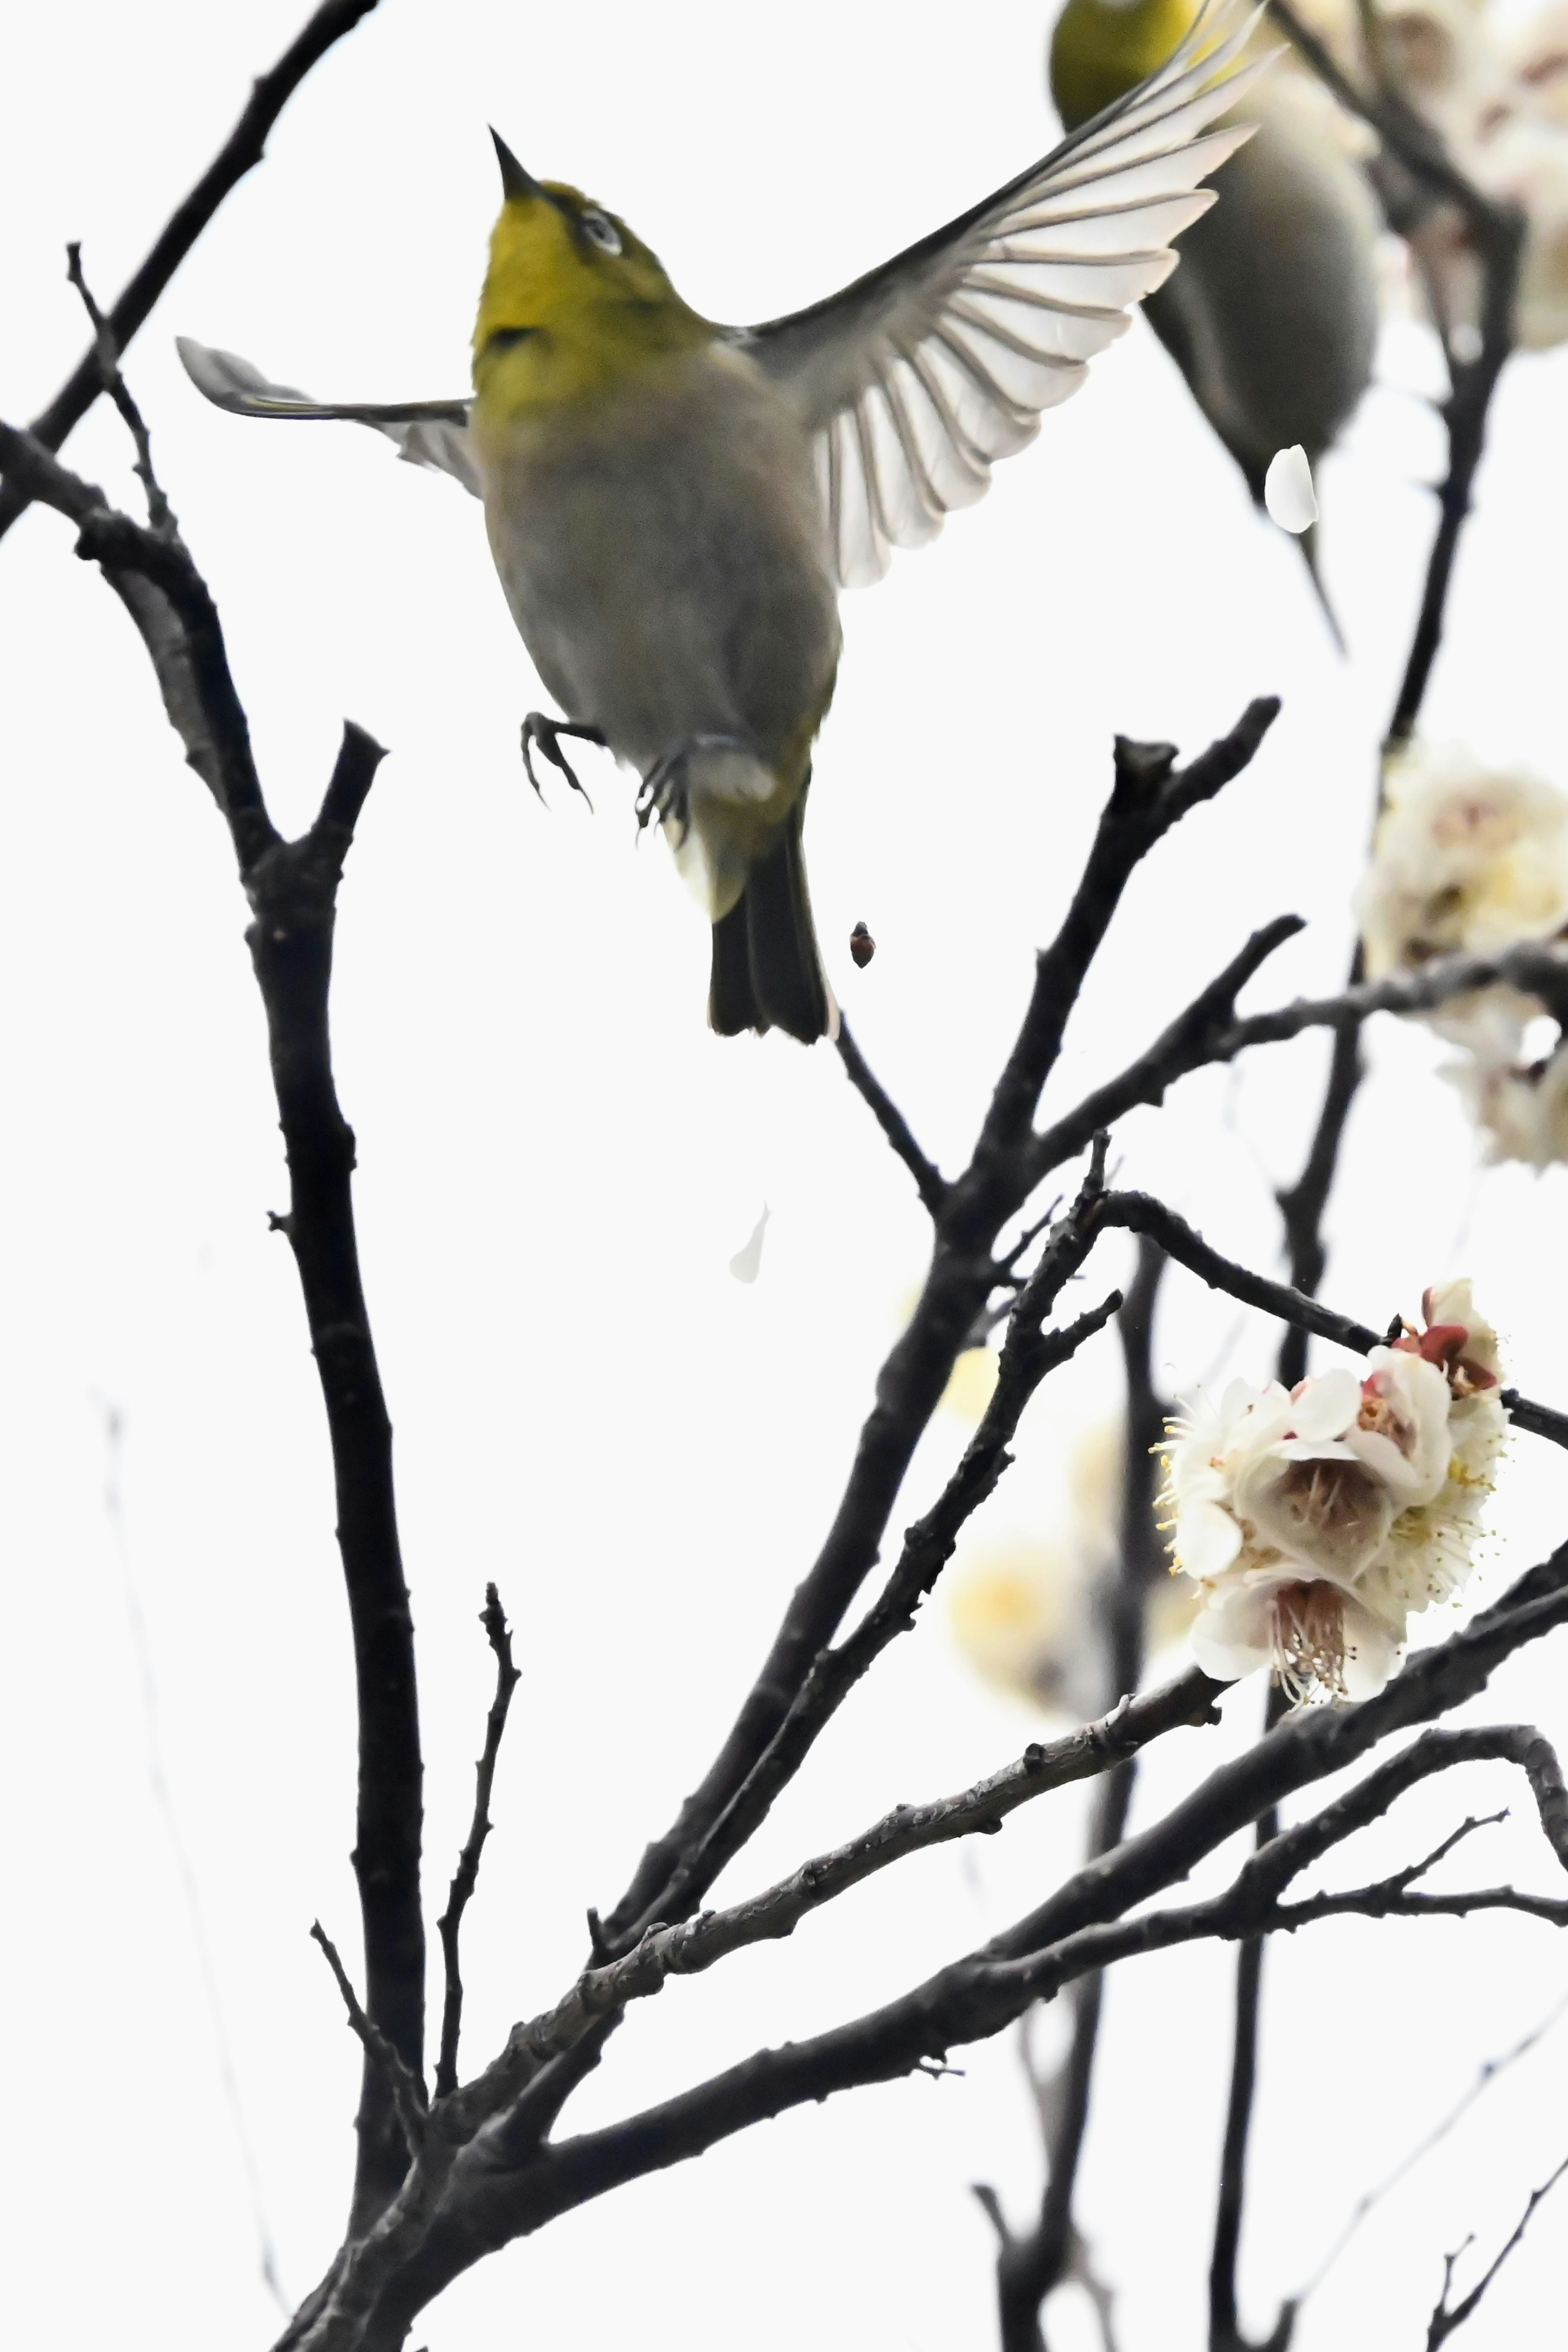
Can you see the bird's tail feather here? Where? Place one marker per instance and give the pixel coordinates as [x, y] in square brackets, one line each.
[767, 973]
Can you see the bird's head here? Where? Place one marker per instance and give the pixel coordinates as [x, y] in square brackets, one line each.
[1102, 48]
[573, 301]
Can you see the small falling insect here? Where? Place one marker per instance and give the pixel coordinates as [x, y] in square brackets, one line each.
[862, 946]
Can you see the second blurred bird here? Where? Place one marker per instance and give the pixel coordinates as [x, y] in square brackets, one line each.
[1272, 317]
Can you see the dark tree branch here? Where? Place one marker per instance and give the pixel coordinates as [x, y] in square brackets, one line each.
[465, 1877]
[1205, 1033]
[1210, 1033]
[1096, 1750]
[292, 888]
[1446, 2318]
[1149, 795]
[240, 153]
[1082, 1928]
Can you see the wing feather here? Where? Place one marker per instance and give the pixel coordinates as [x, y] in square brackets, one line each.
[431, 432]
[920, 376]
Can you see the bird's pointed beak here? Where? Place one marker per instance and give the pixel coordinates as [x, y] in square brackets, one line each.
[516, 183]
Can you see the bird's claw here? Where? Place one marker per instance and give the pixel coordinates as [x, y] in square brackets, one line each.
[547, 733]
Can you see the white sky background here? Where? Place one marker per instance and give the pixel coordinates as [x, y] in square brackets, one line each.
[558, 1161]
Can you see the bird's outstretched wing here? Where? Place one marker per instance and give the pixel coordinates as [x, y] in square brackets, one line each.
[918, 377]
[428, 431]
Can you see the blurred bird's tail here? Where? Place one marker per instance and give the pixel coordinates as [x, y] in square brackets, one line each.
[1308, 542]
[767, 973]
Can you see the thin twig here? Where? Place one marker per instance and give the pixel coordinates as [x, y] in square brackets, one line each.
[240, 154]
[930, 1182]
[466, 1876]
[1374, 2197]
[158, 511]
[407, 2090]
[1444, 2320]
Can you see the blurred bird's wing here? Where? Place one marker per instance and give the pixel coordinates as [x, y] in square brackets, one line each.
[428, 431]
[918, 377]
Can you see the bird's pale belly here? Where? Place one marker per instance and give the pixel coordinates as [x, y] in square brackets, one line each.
[664, 552]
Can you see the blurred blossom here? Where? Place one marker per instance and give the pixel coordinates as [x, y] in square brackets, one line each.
[1315, 1521]
[972, 1383]
[1025, 1611]
[1500, 102]
[1466, 860]
[1522, 1109]
[1469, 860]
[1525, 160]
[1537, 58]
[1020, 1614]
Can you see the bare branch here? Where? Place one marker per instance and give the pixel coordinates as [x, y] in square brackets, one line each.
[1439, 2132]
[465, 1877]
[240, 153]
[1199, 1037]
[930, 1182]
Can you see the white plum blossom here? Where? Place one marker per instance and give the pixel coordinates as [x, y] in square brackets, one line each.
[1315, 1521]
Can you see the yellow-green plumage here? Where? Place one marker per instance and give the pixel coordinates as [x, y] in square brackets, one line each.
[655, 518]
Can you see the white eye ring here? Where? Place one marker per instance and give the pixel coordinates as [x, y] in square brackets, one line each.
[601, 232]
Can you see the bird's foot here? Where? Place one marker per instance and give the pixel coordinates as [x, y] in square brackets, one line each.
[546, 733]
[664, 792]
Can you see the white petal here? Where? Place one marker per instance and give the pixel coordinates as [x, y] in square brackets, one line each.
[1327, 1405]
[746, 1264]
[1288, 491]
[1371, 1651]
[1233, 1633]
[1207, 1537]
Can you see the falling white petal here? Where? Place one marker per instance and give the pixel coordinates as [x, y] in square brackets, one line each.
[1288, 491]
[746, 1264]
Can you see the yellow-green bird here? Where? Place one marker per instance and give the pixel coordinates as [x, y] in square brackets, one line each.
[673, 506]
[1272, 317]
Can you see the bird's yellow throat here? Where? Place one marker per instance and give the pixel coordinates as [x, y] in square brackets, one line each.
[1101, 50]
[559, 318]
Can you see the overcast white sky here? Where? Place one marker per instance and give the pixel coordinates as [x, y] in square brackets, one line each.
[558, 1162]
